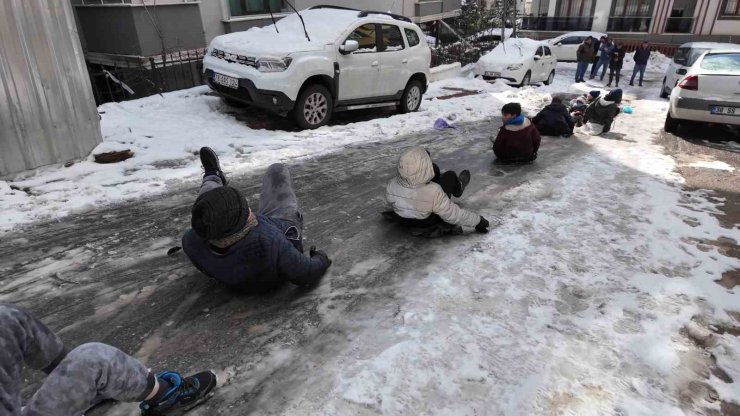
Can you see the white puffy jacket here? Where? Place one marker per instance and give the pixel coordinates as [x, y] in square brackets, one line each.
[412, 194]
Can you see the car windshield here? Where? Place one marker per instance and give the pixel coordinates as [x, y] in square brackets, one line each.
[728, 63]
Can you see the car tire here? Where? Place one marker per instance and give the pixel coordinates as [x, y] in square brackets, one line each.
[314, 107]
[527, 79]
[663, 94]
[550, 78]
[411, 98]
[671, 124]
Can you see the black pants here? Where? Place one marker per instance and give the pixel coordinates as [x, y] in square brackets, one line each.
[449, 182]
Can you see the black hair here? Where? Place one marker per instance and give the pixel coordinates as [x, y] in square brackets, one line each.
[557, 99]
[511, 108]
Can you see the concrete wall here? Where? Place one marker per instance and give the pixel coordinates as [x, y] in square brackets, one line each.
[47, 112]
[212, 16]
[145, 31]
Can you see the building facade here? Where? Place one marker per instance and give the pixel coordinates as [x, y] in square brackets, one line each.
[669, 22]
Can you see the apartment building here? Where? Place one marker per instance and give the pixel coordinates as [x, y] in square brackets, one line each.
[668, 22]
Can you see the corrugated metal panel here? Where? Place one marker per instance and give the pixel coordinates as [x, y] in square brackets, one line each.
[47, 110]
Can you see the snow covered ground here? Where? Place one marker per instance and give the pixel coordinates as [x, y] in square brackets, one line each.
[579, 303]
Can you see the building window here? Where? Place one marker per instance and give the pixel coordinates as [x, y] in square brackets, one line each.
[731, 8]
[575, 8]
[630, 15]
[682, 17]
[247, 7]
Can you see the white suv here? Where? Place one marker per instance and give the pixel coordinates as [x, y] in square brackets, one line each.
[322, 60]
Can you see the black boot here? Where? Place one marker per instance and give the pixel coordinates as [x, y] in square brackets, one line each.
[209, 160]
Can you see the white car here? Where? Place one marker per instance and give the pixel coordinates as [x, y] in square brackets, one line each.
[685, 57]
[710, 91]
[342, 59]
[518, 61]
[564, 47]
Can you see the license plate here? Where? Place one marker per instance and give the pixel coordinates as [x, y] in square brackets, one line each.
[226, 81]
[492, 74]
[725, 111]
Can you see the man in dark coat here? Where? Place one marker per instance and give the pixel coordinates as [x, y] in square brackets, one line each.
[600, 114]
[615, 63]
[247, 250]
[584, 55]
[642, 55]
[518, 139]
[554, 119]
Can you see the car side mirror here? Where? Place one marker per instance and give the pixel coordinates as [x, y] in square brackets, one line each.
[349, 47]
[681, 71]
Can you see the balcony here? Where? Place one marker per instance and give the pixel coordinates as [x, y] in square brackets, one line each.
[629, 24]
[566, 24]
[679, 25]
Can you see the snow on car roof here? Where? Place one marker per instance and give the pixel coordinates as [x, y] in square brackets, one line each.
[710, 45]
[582, 33]
[512, 49]
[323, 26]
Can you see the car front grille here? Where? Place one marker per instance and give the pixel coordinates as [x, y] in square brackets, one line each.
[234, 58]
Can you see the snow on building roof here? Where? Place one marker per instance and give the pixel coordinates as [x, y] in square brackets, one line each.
[323, 26]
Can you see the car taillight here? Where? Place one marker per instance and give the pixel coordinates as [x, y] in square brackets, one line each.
[689, 83]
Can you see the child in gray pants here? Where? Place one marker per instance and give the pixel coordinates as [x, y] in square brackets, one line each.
[85, 376]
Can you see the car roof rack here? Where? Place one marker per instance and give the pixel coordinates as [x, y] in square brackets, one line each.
[366, 13]
[327, 6]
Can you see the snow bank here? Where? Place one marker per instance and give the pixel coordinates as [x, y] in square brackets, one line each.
[657, 62]
[448, 71]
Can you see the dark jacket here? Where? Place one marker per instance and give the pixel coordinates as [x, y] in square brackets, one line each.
[554, 120]
[517, 143]
[602, 112]
[642, 55]
[617, 58]
[585, 53]
[261, 261]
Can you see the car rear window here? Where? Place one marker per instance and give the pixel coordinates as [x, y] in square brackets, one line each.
[728, 63]
[412, 37]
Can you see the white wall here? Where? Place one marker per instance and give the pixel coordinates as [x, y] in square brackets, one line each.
[727, 27]
[601, 15]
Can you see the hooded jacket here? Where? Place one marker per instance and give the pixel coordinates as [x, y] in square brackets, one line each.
[517, 142]
[602, 111]
[554, 120]
[413, 195]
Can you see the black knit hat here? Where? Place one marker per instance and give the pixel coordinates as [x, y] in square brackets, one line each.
[219, 213]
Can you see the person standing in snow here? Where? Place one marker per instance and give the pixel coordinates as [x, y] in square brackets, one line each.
[247, 250]
[554, 119]
[518, 139]
[584, 56]
[85, 376]
[420, 194]
[601, 113]
[615, 64]
[642, 55]
[605, 51]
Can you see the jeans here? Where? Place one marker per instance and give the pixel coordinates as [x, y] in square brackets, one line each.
[602, 64]
[77, 381]
[277, 199]
[581, 70]
[641, 70]
[614, 73]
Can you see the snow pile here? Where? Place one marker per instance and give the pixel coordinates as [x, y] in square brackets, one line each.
[323, 26]
[714, 164]
[656, 63]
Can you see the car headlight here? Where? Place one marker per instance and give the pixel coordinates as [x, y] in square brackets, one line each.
[514, 67]
[273, 64]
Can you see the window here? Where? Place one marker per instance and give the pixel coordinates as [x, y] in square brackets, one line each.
[539, 52]
[571, 40]
[728, 63]
[547, 51]
[630, 15]
[731, 8]
[682, 17]
[365, 36]
[575, 8]
[412, 37]
[246, 7]
[392, 39]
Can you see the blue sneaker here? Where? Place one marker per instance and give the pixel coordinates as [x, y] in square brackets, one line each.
[185, 393]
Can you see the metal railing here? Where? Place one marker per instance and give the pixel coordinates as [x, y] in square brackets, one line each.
[566, 23]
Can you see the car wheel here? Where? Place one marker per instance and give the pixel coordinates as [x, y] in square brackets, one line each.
[550, 78]
[526, 79]
[671, 124]
[663, 94]
[314, 107]
[411, 98]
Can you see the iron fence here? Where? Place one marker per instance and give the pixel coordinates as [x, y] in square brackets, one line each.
[127, 78]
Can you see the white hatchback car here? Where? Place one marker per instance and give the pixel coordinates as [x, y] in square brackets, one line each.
[564, 47]
[518, 61]
[684, 57]
[710, 91]
[342, 59]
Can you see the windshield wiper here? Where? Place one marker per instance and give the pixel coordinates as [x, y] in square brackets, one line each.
[300, 17]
